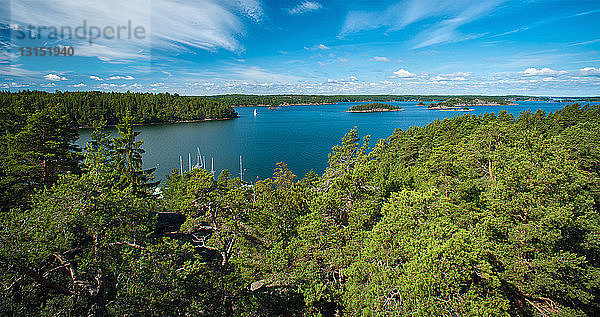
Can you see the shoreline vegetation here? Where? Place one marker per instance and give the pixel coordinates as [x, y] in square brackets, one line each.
[449, 108]
[240, 100]
[85, 108]
[165, 122]
[90, 107]
[373, 107]
[463, 103]
[288, 104]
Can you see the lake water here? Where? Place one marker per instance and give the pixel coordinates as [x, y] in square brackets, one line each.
[301, 136]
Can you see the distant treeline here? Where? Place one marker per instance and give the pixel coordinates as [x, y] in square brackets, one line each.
[85, 108]
[277, 100]
[474, 101]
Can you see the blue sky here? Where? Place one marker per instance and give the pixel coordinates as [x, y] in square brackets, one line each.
[211, 47]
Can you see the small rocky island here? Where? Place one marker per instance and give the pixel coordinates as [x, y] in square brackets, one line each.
[373, 107]
[443, 107]
[463, 103]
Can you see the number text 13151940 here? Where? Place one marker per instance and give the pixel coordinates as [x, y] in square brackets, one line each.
[47, 51]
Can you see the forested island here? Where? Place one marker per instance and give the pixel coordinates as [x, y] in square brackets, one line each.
[374, 107]
[443, 107]
[489, 215]
[85, 108]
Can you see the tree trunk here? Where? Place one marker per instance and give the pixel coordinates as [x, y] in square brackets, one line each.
[45, 282]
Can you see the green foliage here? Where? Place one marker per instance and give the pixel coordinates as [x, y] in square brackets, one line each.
[34, 151]
[77, 236]
[486, 215]
[473, 101]
[86, 108]
[128, 155]
[237, 100]
[373, 107]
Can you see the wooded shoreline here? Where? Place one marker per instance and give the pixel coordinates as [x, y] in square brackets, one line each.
[374, 110]
[166, 122]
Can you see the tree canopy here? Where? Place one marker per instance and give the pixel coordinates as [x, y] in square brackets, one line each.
[486, 215]
[87, 107]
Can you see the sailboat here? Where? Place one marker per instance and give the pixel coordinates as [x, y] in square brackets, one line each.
[255, 112]
[241, 170]
[199, 159]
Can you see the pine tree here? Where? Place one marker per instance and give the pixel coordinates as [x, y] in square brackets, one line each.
[129, 159]
[35, 155]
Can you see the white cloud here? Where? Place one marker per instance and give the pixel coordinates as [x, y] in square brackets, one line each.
[190, 24]
[80, 85]
[542, 72]
[353, 78]
[54, 77]
[402, 73]
[119, 52]
[317, 47]
[494, 84]
[257, 74]
[16, 70]
[128, 77]
[456, 76]
[525, 28]
[401, 14]
[585, 43]
[380, 59]
[112, 86]
[96, 78]
[305, 7]
[590, 71]
[19, 85]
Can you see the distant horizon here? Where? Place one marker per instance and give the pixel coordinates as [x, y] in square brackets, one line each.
[308, 94]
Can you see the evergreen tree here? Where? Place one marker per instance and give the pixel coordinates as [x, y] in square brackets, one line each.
[35, 155]
[129, 159]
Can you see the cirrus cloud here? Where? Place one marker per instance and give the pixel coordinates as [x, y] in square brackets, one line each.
[305, 7]
[451, 15]
[456, 76]
[189, 25]
[322, 47]
[380, 59]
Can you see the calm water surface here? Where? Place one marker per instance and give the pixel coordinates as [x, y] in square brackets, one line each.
[301, 136]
